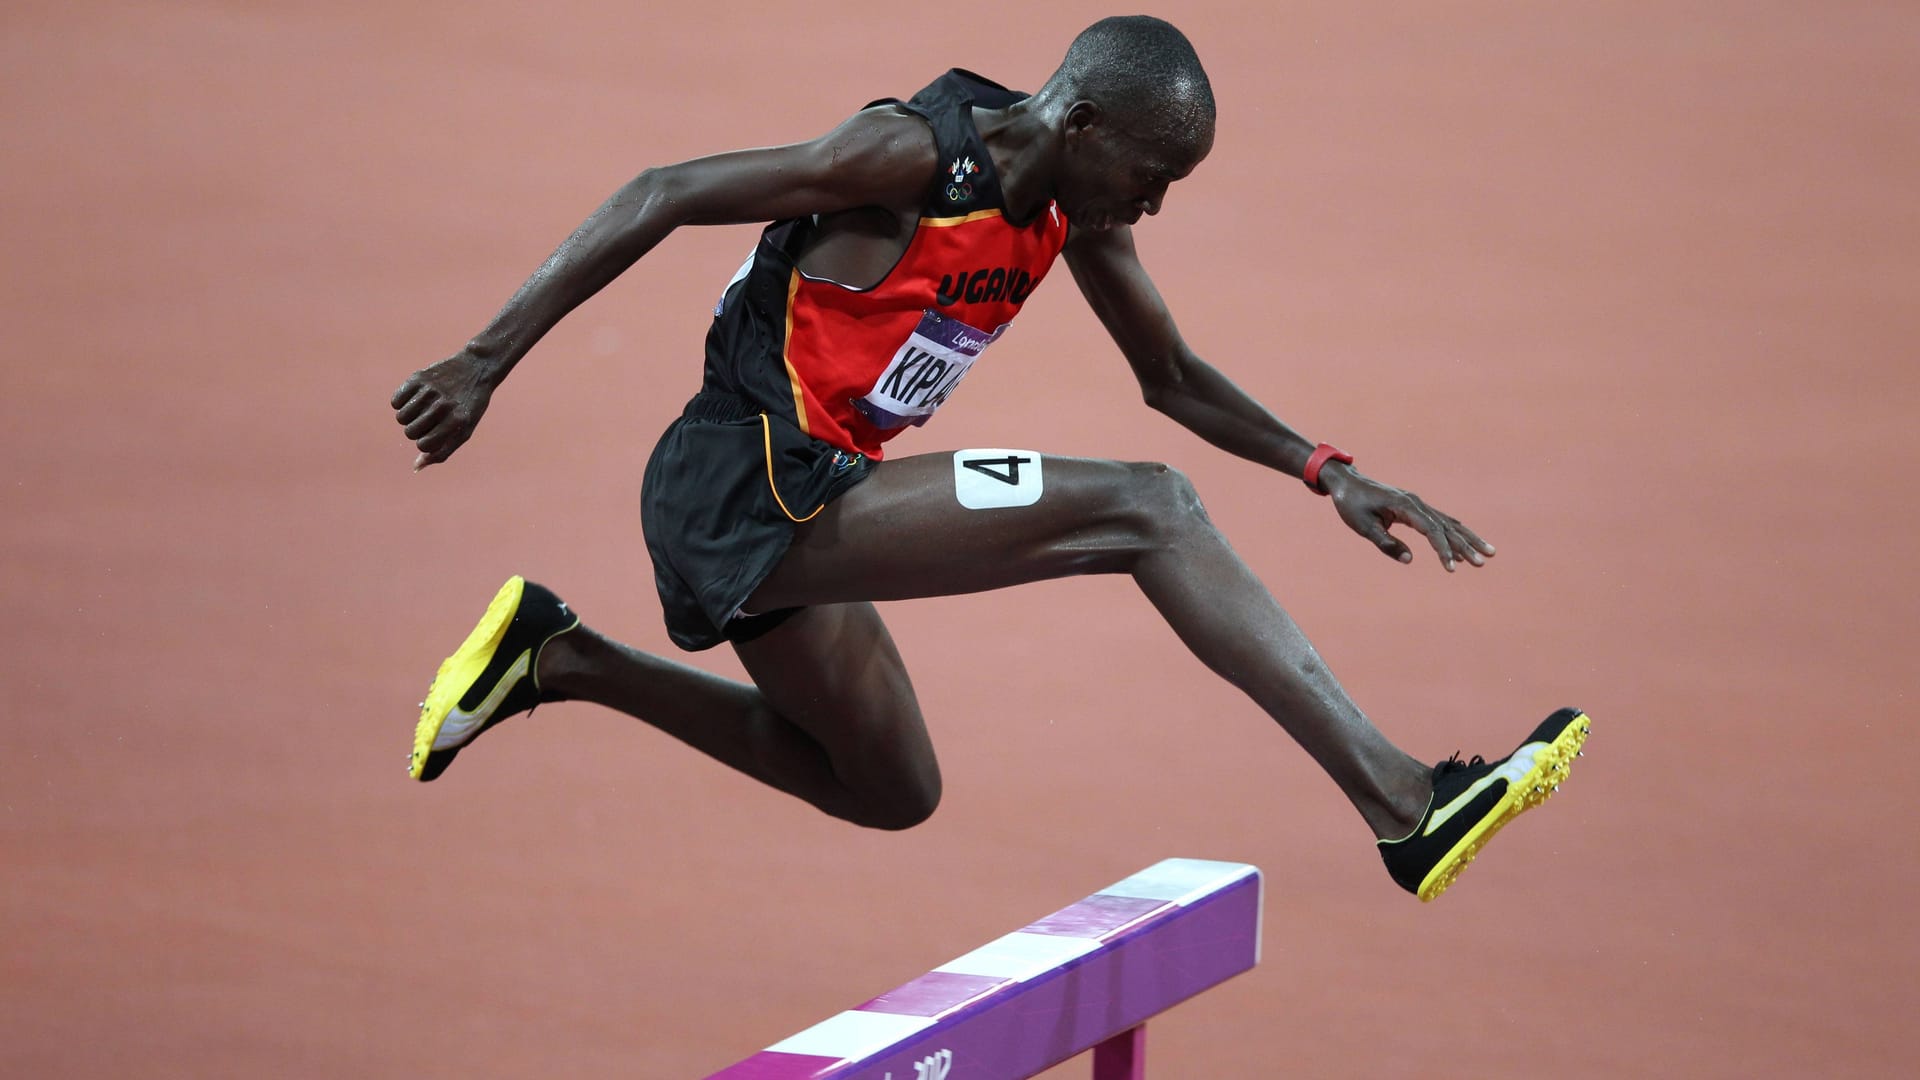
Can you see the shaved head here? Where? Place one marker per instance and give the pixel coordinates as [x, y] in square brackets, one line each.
[1142, 72]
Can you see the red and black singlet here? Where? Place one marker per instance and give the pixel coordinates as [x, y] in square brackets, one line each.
[855, 367]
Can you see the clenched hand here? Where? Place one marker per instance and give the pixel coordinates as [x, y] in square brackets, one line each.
[439, 406]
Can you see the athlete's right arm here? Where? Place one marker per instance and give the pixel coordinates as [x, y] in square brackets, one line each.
[879, 157]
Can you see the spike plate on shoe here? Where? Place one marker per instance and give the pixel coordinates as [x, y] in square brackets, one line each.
[1520, 797]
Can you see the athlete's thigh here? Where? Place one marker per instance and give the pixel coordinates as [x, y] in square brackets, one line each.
[833, 671]
[943, 524]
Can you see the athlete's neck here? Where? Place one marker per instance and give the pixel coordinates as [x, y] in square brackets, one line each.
[1021, 143]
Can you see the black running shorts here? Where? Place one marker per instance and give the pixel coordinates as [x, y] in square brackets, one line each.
[723, 491]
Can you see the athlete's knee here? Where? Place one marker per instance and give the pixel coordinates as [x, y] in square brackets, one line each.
[1165, 504]
[902, 807]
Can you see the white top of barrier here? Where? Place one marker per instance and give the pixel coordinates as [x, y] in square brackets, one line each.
[974, 1003]
[1180, 880]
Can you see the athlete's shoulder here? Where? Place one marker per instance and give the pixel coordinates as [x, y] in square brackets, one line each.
[900, 144]
[962, 87]
[879, 140]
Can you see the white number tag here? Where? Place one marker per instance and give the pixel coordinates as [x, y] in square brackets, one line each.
[992, 479]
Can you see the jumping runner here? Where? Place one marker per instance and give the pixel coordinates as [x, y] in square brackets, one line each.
[902, 245]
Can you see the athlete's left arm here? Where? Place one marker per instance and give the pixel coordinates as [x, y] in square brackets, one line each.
[1176, 381]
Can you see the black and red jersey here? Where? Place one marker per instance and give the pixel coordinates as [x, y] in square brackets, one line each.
[854, 367]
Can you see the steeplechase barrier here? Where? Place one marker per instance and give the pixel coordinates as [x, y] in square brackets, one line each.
[1086, 977]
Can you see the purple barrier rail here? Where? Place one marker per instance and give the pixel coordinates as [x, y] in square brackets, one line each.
[1086, 977]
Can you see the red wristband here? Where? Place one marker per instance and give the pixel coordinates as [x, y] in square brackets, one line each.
[1322, 454]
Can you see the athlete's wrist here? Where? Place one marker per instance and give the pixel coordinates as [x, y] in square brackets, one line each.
[1336, 475]
[1325, 461]
[489, 361]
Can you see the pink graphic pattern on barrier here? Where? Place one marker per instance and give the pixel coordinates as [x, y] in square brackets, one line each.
[1087, 976]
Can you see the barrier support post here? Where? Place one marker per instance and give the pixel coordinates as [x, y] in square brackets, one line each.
[1123, 1057]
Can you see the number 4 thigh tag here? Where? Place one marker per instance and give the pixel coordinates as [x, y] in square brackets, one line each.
[991, 479]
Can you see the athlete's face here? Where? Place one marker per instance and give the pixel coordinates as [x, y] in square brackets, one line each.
[1114, 176]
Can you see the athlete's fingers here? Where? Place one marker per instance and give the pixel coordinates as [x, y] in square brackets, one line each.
[1462, 548]
[431, 457]
[445, 450]
[1465, 542]
[434, 458]
[415, 406]
[408, 390]
[1416, 514]
[1457, 538]
[1474, 542]
[440, 443]
[434, 441]
[1376, 531]
[428, 419]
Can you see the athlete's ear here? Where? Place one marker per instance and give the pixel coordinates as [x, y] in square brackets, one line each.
[1083, 117]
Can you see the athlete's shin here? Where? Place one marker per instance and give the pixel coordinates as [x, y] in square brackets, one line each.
[1223, 612]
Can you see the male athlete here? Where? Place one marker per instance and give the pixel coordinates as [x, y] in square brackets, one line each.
[903, 243]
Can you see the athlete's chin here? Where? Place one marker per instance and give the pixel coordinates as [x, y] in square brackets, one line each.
[1105, 221]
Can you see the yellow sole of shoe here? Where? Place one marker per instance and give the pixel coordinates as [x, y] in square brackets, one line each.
[1550, 768]
[458, 671]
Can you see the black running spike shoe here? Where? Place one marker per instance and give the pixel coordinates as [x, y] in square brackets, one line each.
[1474, 799]
[490, 677]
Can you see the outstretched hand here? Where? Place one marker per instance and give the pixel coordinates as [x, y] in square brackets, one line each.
[1371, 508]
[439, 406]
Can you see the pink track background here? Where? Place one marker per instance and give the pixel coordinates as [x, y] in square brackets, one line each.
[1631, 288]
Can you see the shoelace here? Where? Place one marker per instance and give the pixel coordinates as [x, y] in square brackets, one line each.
[1454, 764]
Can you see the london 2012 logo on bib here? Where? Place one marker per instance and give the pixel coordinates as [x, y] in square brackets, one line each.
[924, 371]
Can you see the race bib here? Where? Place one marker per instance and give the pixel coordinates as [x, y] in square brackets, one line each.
[924, 371]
